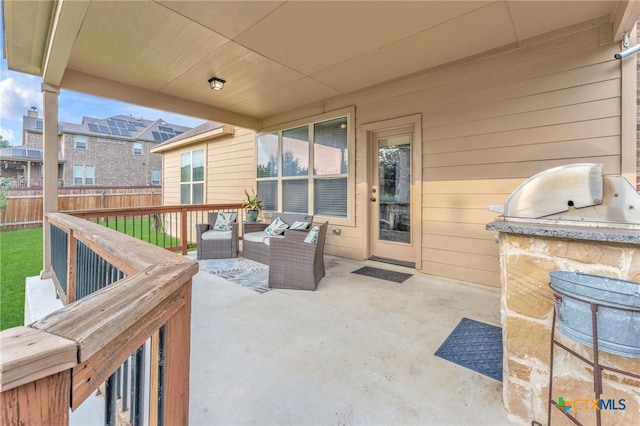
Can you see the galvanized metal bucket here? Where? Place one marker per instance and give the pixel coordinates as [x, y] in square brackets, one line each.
[618, 311]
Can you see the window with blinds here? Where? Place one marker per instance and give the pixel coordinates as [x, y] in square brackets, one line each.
[305, 169]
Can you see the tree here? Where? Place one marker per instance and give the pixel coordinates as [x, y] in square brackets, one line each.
[4, 143]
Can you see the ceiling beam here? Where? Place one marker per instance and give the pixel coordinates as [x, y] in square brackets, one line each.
[67, 21]
[110, 89]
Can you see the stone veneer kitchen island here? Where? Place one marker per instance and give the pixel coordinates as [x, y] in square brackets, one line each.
[529, 250]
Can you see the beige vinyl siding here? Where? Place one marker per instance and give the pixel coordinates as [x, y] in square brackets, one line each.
[171, 178]
[488, 123]
[231, 167]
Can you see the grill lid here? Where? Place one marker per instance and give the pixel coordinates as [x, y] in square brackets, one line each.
[574, 192]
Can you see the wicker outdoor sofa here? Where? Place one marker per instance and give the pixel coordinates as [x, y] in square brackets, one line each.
[255, 242]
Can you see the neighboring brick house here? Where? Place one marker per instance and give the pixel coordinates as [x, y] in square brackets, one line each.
[113, 151]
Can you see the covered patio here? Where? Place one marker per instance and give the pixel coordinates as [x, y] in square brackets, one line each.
[358, 350]
[490, 93]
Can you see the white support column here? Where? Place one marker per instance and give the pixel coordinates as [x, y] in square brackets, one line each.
[28, 173]
[50, 156]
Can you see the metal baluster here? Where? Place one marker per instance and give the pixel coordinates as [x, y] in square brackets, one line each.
[162, 347]
[110, 401]
[125, 385]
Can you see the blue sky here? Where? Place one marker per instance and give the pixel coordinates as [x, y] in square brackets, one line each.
[19, 92]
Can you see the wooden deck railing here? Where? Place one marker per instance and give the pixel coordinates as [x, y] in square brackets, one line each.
[170, 227]
[58, 361]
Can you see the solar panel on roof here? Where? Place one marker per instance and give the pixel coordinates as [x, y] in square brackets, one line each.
[156, 136]
[165, 129]
[121, 124]
[114, 130]
[93, 127]
[165, 136]
[125, 132]
[111, 123]
[104, 129]
[131, 126]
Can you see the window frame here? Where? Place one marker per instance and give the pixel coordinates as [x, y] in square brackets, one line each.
[135, 145]
[349, 114]
[81, 139]
[83, 178]
[159, 173]
[191, 182]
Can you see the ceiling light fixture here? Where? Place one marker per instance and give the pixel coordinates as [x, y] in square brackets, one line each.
[216, 83]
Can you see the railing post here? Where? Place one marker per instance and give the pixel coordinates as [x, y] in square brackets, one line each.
[71, 267]
[44, 401]
[177, 363]
[183, 229]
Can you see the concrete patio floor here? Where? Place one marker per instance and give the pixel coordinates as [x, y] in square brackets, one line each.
[358, 351]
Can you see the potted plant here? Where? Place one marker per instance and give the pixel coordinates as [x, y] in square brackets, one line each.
[252, 204]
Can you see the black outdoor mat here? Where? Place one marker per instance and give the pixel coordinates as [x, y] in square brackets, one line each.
[383, 274]
[476, 346]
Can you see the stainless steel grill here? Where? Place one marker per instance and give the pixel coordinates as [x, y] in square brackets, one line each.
[576, 193]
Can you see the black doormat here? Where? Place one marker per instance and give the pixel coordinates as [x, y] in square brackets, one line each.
[383, 274]
[476, 346]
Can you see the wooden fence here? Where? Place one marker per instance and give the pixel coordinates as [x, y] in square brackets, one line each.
[24, 207]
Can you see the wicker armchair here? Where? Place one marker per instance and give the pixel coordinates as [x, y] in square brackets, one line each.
[294, 264]
[213, 244]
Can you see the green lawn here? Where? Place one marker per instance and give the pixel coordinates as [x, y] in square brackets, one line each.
[145, 229]
[20, 257]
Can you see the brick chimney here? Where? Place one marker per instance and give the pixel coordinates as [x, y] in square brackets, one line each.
[33, 112]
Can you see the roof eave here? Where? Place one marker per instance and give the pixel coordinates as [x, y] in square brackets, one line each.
[224, 130]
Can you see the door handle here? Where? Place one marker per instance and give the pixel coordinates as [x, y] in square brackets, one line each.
[372, 198]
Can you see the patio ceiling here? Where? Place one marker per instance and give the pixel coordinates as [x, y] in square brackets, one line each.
[275, 56]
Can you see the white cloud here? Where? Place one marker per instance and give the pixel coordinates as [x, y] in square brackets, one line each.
[8, 134]
[17, 95]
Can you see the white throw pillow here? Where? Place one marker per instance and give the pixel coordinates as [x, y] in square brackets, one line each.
[277, 227]
[312, 236]
[224, 221]
[299, 225]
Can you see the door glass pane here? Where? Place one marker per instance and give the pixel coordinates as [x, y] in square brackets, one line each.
[268, 155]
[295, 152]
[394, 173]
